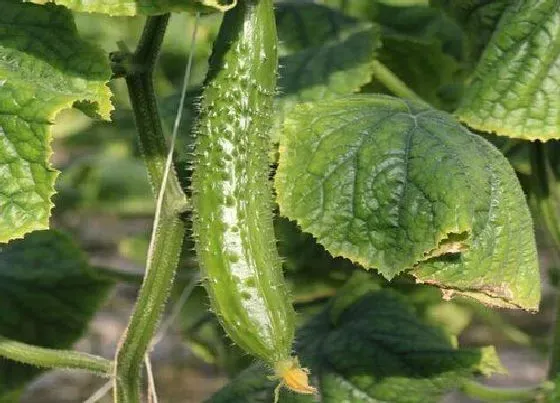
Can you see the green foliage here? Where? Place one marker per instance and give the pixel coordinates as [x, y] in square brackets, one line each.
[478, 18]
[356, 174]
[44, 67]
[423, 48]
[48, 295]
[365, 181]
[324, 54]
[355, 8]
[376, 349]
[514, 89]
[311, 271]
[106, 183]
[553, 395]
[419, 44]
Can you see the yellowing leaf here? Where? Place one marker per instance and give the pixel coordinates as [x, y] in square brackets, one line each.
[44, 67]
[515, 87]
[135, 7]
[396, 185]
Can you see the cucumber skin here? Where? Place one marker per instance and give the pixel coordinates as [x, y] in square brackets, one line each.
[231, 193]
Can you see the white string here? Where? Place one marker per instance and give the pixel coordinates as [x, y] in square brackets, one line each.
[169, 161]
[100, 393]
[152, 395]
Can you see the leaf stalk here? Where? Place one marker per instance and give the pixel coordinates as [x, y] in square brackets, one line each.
[393, 83]
[54, 358]
[478, 391]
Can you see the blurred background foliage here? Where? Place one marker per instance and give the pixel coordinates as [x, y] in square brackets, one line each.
[105, 201]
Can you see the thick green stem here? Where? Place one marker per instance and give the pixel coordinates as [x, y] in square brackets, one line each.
[393, 83]
[52, 358]
[170, 229]
[140, 86]
[485, 393]
[148, 309]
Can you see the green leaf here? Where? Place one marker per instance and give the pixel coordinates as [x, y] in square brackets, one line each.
[405, 3]
[48, 294]
[134, 7]
[44, 67]
[311, 272]
[514, 89]
[363, 10]
[478, 19]
[425, 68]
[396, 185]
[106, 182]
[423, 48]
[324, 54]
[376, 351]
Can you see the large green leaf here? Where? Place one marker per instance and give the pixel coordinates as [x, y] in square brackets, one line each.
[134, 7]
[323, 54]
[423, 48]
[478, 19]
[514, 89]
[375, 350]
[396, 185]
[44, 67]
[48, 294]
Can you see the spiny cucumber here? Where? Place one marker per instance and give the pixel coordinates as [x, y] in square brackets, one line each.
[232, 196]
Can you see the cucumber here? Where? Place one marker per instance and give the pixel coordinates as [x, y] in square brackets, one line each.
[232, 196]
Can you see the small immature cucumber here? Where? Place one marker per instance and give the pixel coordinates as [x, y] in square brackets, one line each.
[232, 196]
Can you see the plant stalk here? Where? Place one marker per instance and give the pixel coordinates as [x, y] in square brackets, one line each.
[169, 232]
[478, 391]
[393, 83]
[53, 358]
[139, 80]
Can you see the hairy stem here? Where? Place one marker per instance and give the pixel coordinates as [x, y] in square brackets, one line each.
[392, 82]
[52, 358]
[169, 230]
[478, 391]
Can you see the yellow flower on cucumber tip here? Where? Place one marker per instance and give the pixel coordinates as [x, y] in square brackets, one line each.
[293, 377]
